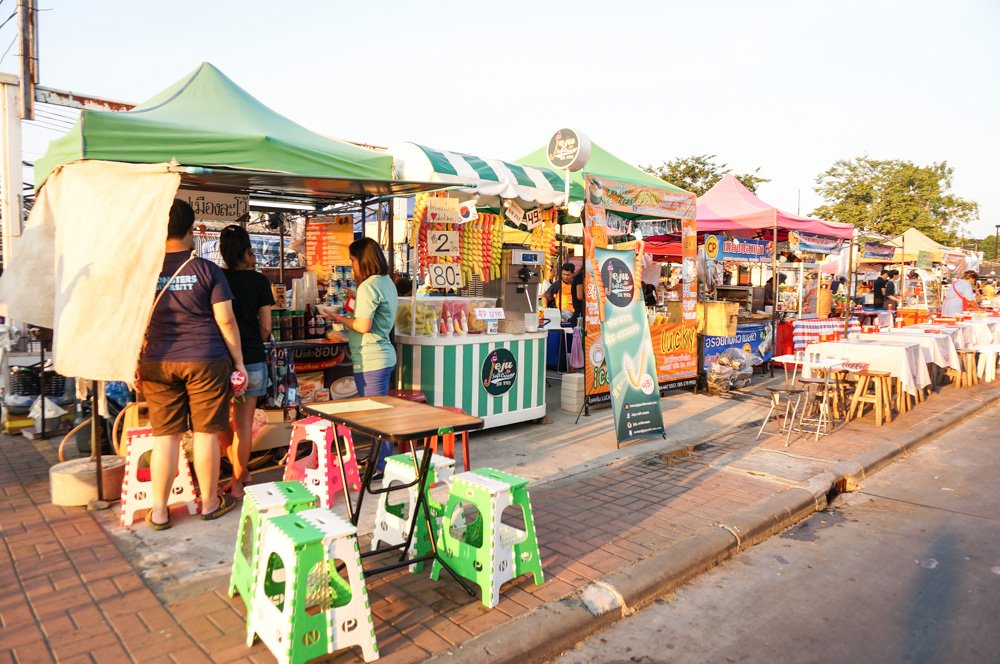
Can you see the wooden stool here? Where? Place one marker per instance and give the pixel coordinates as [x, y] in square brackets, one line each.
[903, 403]
[880, 398]
[969, 376]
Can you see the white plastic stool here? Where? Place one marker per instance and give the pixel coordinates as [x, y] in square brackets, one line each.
[137, 492]
[302, 607]
[986, 367]
[392, 520]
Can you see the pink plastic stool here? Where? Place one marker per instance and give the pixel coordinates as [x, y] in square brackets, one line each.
[448, 441]
[318, 471]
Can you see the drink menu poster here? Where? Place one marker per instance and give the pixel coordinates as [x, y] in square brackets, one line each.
[327, 242]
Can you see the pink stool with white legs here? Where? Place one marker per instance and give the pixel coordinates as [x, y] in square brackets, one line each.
[319, 470]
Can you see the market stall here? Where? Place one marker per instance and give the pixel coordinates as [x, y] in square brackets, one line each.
[799, 291]
[91, 250]
[625, 203]
[735, 316]
[485, 338]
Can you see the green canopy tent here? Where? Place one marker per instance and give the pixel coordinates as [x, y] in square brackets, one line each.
[604, 164]
[205, 119]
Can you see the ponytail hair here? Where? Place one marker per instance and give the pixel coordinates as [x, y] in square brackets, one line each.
[234, 243]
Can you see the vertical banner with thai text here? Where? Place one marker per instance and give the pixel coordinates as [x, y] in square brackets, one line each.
[628, 347]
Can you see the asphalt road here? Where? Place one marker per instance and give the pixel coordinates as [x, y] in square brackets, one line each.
[907, 569]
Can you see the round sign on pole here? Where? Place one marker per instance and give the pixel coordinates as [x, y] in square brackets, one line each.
[568, 149]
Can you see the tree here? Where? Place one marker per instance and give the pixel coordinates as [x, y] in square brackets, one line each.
[699, 173]
[890, 196]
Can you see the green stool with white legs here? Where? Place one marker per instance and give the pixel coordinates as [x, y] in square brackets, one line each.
[488, 552]
[260, 502]
[304, 607]
[392, 519]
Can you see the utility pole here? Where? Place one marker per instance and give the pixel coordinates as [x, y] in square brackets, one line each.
[18, 95]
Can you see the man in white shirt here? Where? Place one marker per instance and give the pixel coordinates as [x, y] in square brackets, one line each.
[961, 295]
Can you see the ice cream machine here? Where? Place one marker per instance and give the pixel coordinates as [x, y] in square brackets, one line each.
[517, 289]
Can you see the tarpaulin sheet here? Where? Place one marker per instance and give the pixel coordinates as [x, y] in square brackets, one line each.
[88, 262]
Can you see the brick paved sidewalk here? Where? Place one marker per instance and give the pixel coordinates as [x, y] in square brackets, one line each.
[74, 597]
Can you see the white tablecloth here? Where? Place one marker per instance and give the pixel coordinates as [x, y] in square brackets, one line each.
[960, 335]
[904, 361]
[943, 351]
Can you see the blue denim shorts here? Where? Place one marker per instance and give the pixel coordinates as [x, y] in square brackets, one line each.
[256, 379]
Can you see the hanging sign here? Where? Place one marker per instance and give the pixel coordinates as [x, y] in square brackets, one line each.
[879, 252]
[442, 243]
[213, 206]
[327, 241]
[637, 199]
[627, 346]
[721, 248]
[443, 211]
[568, 149]
[925, 259]
[813, 243]
[514, 212]
[445, 276]
[533, 218]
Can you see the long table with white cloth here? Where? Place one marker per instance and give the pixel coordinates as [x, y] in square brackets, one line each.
[903, 360]
[942, 346]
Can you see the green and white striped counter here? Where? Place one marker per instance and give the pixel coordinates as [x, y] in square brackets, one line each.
[499, 377]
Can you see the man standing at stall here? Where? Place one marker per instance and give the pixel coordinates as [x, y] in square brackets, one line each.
[560, 294]
[192, 346]
[878, 290]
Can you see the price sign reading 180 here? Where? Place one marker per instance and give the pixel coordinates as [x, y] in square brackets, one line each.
[445, 275]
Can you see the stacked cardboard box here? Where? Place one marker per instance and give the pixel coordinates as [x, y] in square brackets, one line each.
[572, 392]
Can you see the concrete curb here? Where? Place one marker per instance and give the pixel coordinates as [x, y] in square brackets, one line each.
[552, 628]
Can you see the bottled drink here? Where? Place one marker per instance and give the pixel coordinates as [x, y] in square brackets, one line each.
[310, 322]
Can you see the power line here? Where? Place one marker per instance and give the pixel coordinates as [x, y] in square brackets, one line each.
[9, 46]
[12, 15]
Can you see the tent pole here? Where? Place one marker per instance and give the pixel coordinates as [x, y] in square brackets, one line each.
[281, 250]
[774, 278]
[850, 285]
[390, 221]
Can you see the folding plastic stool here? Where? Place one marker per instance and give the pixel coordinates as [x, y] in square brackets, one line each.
[137, 486]
[262, 501]
[319, 470]
[488, 552]
[392, 520]
[302, 607]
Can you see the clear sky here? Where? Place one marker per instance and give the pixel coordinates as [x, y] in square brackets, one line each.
[790, 86]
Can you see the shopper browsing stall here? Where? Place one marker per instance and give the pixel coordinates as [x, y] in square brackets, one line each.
[374, 316]
[192, 345]
[252, 304]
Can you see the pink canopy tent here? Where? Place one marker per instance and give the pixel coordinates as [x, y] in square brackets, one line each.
[731, 207]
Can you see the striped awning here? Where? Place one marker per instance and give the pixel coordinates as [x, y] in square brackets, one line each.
[490, 179]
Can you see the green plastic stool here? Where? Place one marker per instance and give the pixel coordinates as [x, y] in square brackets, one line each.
[393, 519]
[262, 501]
[302, 607]
[487, 552]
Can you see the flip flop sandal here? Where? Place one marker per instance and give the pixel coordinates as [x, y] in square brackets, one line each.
[157, 526]
[226, 504]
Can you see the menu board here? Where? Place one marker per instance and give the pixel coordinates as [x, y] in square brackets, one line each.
[327, 241]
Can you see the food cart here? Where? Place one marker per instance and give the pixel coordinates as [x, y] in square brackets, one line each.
[459, 244]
